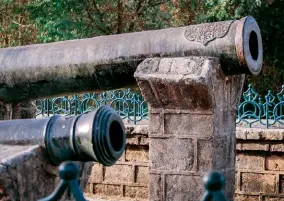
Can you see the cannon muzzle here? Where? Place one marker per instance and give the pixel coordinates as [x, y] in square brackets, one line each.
[96, 136]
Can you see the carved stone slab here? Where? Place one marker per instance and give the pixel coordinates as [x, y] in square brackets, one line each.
[204, 33]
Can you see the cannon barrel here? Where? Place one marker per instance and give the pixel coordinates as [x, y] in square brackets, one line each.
[109, 62]
[95, 136]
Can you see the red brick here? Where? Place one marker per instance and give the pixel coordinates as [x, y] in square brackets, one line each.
[275, 163]
[249, 162]
[258, 183]
[136, 192]
[97, 173]
[277, 148]
[137, 154]
[119, 173]
[107, 190]
[252, 146]
[141, 175]
[274, 198]
[246, 198]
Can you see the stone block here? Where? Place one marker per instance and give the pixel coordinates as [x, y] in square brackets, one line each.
[119, 173]
[241, 134]
[239, 197]
[274, 163]
[141, 175]
[155, 188]
[107, 190]
[136, 192]
[230, 180]
[281, 184]
[171, 154]
[97, 173]
[223, 153]
[252, 146]
[139, 154]
[258, 183]
[147, 91]
[273, 198]
[189, 124]
[183, 187]
[156, 123]
[277, 147]
[272, 134]
[250, 162]
[204, 159]
[144, 141]
[224, 123]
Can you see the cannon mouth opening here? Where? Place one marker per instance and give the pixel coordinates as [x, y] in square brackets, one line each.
[253, 45]
[116, 136]
[248, 43]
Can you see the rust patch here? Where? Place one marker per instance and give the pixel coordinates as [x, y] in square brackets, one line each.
[239, 42]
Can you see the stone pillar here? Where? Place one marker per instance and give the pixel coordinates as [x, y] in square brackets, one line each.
[192, 124]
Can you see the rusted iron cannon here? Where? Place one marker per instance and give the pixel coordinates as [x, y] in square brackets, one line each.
[95, 136]
[109, 62]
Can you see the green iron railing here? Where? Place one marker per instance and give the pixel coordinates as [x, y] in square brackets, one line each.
[69, 172]
[253, 110]
[130, 105]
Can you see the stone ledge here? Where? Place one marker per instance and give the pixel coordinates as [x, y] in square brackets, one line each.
[243, 133]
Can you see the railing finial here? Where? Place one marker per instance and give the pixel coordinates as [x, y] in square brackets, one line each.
[214, 183]
[68, 172]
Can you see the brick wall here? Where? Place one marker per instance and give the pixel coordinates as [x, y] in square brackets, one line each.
[128, 178]
[259, 163]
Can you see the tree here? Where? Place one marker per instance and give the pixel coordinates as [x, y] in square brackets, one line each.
[15, 27]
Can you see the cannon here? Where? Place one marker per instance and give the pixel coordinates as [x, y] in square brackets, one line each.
[109, 62]
[96, 136]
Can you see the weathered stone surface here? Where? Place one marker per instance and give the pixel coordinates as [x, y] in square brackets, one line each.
[258, 183]
[244, 133]
[181, 188]
[281, 184]
[25, 174]
[171, 154]
[16, 178]
[141, 175]
[137, 154]
[136, 192]
[277, 147]
[192, 125]
[250, 162]
[246, 198]
[107, 189]
[117, 173]
[275, 163]
[188, 124]
[271, 198]
[97, 173]
[252, 146]
[155, 187]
